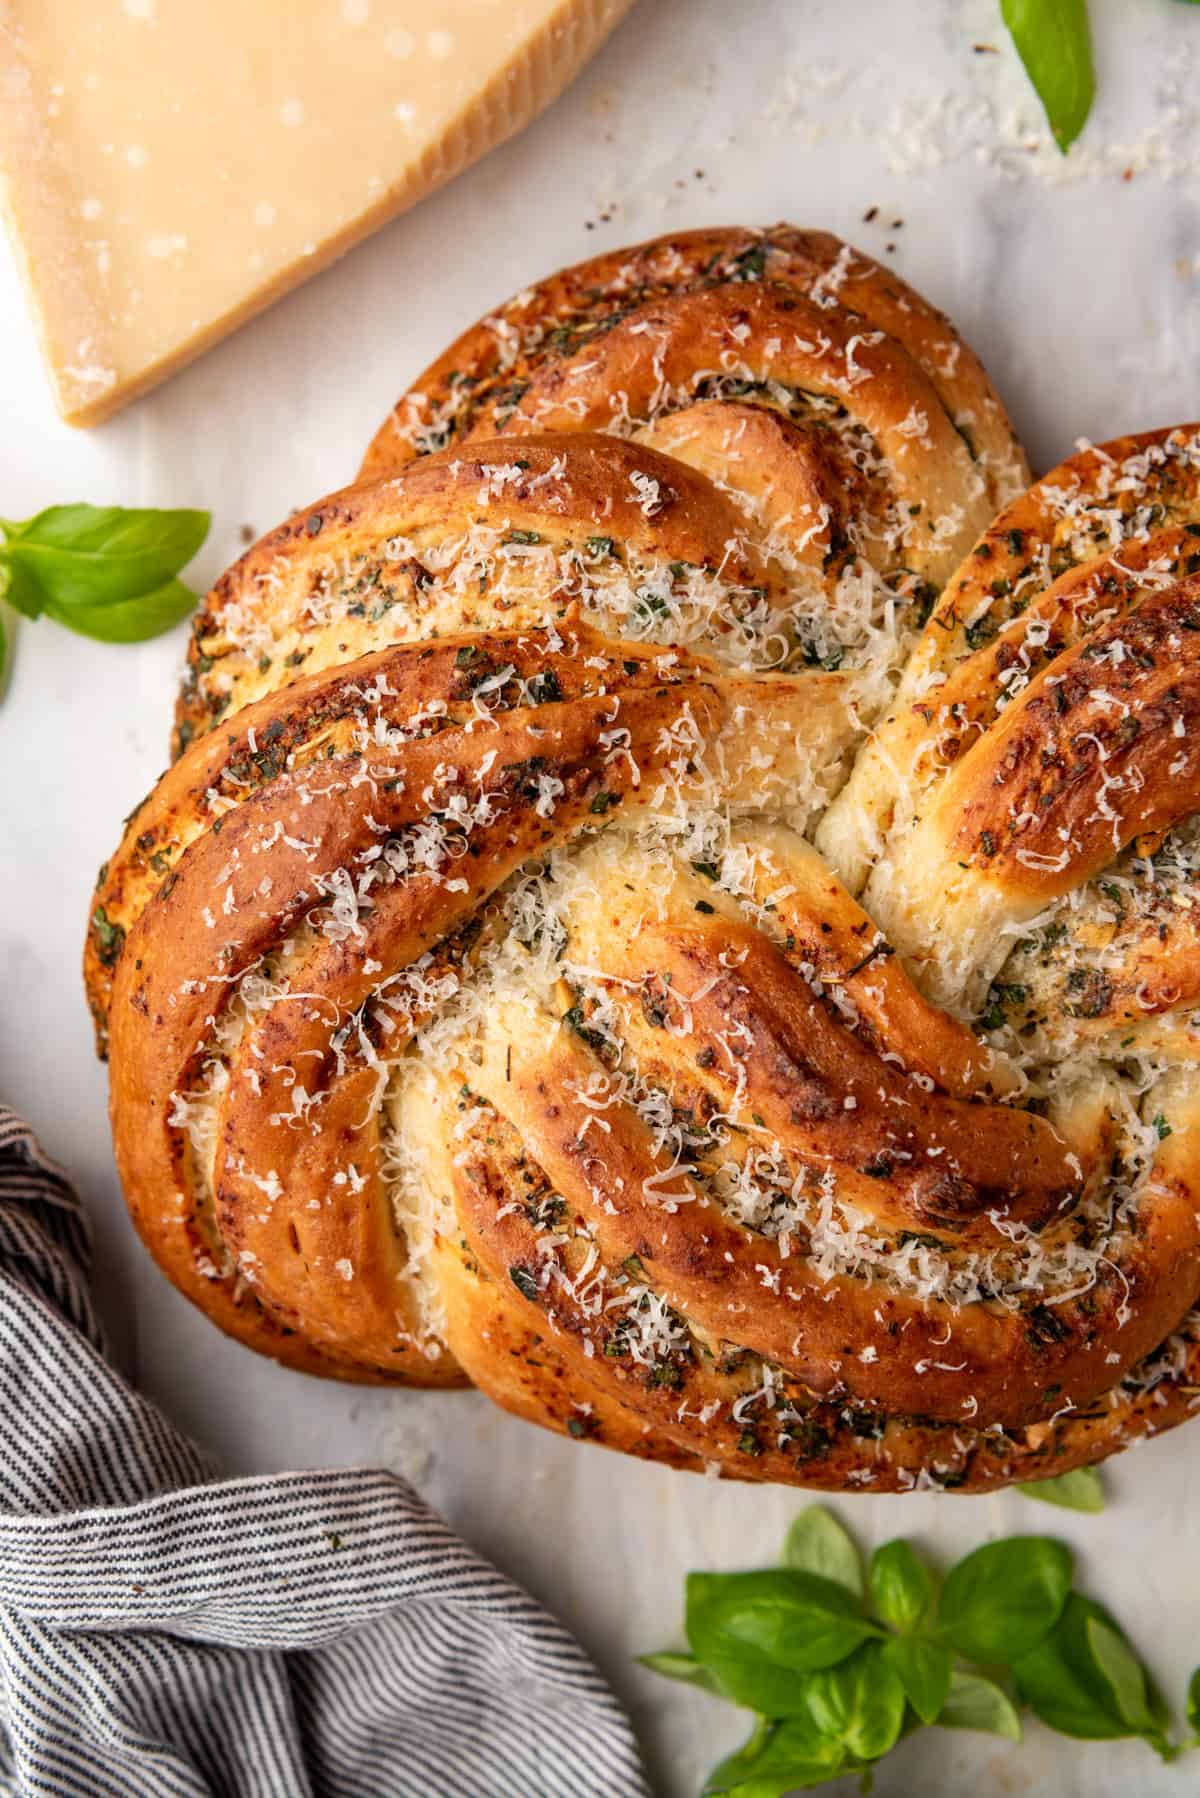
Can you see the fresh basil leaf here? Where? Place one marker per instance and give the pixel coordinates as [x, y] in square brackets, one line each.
[129, 620]
[756, 1631]
[974, 1702]
[738, 1766]
[778, 1758]
[1124, 1673]
[22, 593]
[859, 1703]
[1193, 1691]
[1079, 1490]
[1004, 1598]
[924, 1668]
[89, 556]
[684, 1667]
[901, 1585]
[818, 1543]
[1064, 1684]
[1054, 42]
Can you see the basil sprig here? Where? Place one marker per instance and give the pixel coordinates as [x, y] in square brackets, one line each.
[839, 1661]
[104, 571]
[1054, 41]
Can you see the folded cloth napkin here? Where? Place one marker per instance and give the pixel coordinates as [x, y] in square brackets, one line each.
[164, 1632]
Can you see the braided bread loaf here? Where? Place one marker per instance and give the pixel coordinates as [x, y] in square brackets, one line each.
[478, 1004]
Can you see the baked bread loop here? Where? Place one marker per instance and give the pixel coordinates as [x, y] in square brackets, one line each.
[1045, 723]
[837, 410]
[324, 776]
[542, 340]
[534, 972]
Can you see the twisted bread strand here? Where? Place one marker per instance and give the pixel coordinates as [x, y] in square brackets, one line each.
[478, 1005]
[538, 350]
[783, 391]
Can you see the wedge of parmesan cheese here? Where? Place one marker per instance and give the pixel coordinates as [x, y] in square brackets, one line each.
[170, 170]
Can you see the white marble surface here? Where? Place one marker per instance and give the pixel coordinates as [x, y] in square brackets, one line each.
[1079, 286]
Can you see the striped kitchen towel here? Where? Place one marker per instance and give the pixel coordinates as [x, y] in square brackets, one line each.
[165, 1632]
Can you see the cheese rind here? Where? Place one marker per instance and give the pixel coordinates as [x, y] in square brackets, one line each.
[162, 185]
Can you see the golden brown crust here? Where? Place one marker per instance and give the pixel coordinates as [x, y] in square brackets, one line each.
[345, 577]
[477, 383]
[1068, 557]
[572, 1372]
[1100, 748]
[306, 823]
[478, 1005]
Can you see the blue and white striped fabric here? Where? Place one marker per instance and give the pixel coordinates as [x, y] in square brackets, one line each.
[163, 1632]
